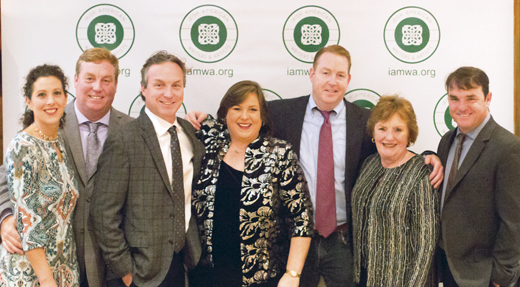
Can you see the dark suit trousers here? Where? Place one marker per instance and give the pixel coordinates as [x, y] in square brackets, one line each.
[330, 258]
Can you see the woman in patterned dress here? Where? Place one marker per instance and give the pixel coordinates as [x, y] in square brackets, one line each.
[252, 204]
[42, 188]
[395, 210]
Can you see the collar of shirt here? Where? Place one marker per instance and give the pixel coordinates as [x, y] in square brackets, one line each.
[82, 119]
[474, 133]
[161, 126]
[313, 109]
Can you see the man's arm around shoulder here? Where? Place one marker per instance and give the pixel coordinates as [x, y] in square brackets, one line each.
[8, 233]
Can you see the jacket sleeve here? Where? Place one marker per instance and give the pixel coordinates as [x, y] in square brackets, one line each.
[506, 251]
[5, 203]
[295, 193]
[108, 202]
[425, 227]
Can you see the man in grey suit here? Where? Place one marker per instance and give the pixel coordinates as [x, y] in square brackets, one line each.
[95, 81]
[142, 197]
[480, 215]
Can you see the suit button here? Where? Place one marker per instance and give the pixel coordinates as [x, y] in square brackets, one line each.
[88, 200]
[171, 215]
[170, 241]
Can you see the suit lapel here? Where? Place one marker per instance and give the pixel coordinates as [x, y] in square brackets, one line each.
[298, 114]
[72, 137]
[473, 154]
[151, 140]
[195, 144]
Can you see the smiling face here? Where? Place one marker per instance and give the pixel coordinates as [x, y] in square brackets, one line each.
[96, 87]
[468, 108]
[391, 137]
[244, 120]
[165, 90]
[48, 101]
[329, 80]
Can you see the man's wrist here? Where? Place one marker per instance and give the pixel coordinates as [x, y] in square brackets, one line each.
[4, 214]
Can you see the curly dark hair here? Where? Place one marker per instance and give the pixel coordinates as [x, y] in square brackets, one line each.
[36, 73]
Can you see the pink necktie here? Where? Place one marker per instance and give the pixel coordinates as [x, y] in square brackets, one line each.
[325, 191]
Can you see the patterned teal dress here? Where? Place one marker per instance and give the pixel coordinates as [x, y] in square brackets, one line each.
[43, 192]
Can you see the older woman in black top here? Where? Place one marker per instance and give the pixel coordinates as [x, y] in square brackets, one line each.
[395, 210]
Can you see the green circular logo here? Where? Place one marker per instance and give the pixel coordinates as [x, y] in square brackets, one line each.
[311, 34]
[270, 95]
[105, 31]
[309, 29]
[108, 26]
[441, 116]
[208, 33]
[364, 98]
[70, 98]
[412, 35]
[448, 120]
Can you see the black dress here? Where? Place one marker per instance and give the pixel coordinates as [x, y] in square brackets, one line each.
[226, 231]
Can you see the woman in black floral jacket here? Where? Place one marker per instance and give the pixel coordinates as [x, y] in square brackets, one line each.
[252, 203]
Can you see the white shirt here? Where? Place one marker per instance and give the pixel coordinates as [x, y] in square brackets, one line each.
[161, 129]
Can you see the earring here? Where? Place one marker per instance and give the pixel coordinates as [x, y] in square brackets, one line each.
[373, 140]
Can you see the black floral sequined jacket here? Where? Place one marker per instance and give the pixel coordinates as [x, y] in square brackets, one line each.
[274, 202]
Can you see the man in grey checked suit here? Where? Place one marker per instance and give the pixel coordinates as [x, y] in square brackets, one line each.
[95, 81]
[142, 203]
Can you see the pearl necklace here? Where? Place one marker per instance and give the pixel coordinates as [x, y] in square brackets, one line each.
[45, 137]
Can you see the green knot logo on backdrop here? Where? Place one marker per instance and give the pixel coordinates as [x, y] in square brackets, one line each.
[364, 98]
[309, 29]
[441, 116]
[108, 26]
[412, 35]
[208, 33]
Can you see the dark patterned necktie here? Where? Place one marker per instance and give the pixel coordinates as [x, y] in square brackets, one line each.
[455, 165]
[179, 224]
[325, 190]
[93, 147]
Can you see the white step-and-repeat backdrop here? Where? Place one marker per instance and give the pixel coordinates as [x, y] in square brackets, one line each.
[403, 47]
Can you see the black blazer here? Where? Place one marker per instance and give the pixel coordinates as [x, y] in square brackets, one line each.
[480, 220]
[287, 118]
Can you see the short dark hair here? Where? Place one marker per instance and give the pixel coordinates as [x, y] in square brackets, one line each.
[36, 73]
[466, 78]
[387, 107]
[237, 94]
[334, 49]
[159, 58]
[98, 55]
